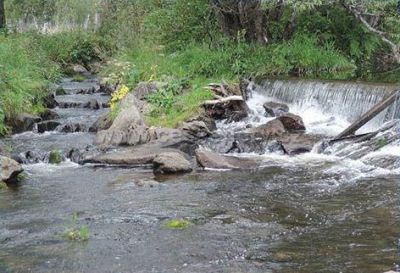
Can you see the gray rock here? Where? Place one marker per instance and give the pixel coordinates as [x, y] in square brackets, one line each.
[196, 129]
[144, 89]
[298, 143]
[49, 114]
[79, 69]
[103, 123]
[72, 128]
[274, 109]
[128, 128]
[231, 111]
[47, 126]
[94, 104]
[213, 160]
[272, 128]
[292, 122]
[171, 163]
[10, 169]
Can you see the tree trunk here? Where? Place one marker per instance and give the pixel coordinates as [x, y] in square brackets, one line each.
[235, 16]
[2, 15]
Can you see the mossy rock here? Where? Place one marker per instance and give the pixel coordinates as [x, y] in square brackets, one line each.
[60, 91]
[55, 157]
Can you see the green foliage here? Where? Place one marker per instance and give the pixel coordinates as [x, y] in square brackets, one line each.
[178, 224]
[25, 72]
[75, 232]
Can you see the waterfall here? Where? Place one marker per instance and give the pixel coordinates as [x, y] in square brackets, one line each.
[345, 101]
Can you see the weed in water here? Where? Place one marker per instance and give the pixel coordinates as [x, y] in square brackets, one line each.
[76, 232]
[55, 157]
[78, 78]
[178, 224]
[3, 185]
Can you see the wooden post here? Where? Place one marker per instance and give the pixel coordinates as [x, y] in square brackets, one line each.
[387, 101]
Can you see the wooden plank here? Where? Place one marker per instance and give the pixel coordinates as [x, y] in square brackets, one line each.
[386, 102]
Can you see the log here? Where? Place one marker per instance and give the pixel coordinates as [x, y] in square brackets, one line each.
[387, 101]
[223, 100]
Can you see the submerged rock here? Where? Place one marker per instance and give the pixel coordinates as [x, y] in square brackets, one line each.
[47, 126]
[298, 143]
[10, 169]
[49, 114]
[292, 122]
[274, 109]
[211, 160]
[72, 128]
[170, 163]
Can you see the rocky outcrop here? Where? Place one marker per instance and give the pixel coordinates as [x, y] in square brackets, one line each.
[274, 109]
[292, 122]
[72, 128]
[10, 170]
[24, 122]
[128, 128]
[171, 163]
[211, 160]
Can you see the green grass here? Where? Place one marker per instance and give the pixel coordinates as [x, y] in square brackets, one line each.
[3, 185]
[55, 157]
[178, 224]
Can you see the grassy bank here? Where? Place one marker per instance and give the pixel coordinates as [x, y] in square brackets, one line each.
[29, 62]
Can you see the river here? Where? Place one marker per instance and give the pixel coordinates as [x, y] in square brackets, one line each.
[307, 213]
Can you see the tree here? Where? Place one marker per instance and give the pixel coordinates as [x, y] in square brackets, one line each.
[2, 15]
[235, 16]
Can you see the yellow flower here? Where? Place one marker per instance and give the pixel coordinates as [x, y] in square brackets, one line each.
[118, 95]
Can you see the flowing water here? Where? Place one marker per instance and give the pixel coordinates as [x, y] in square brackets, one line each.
[307, 213]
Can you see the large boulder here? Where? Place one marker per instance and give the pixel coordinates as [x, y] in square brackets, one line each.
[10, 169]
[211, 160]
[272, 128]
[274, 109]
[292, 122]
[128, 128]
[24, 122]
[170, 163]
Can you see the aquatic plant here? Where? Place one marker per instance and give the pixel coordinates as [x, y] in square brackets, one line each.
[3, 185]
[78, 78]
[76, 232]
[55, 157]
[178, 224]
